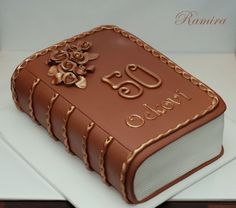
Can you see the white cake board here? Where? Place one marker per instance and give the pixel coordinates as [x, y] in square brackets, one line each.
[65, 172]
[18, 181]
[218, 186]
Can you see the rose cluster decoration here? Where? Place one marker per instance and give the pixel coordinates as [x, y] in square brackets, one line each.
[69, 65]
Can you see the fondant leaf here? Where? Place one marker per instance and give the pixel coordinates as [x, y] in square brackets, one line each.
[81, 83]
[52, 71]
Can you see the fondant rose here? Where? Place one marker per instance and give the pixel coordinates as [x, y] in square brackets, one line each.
[80, 70]
[69, 78]
[59, 56]
[71, 47]
[79, 58]
[68, 65]
[85, 45]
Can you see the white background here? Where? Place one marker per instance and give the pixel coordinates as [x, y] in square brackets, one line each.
[33, 24]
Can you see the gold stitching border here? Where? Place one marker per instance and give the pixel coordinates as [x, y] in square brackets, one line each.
[48, 115]
[153, 52]
[85, 153]
[31, 94]
[64, 128]
[102, 158]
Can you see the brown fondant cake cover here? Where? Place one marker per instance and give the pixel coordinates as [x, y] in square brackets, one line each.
[113, 101]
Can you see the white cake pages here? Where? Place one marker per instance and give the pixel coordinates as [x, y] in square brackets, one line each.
[179, 157]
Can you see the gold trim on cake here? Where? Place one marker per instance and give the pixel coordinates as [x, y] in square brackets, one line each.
[64, 128]
[102, 159]
[31, 95]
[48, 115]
[85, 145]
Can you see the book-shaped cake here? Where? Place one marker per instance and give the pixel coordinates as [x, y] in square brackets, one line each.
[126, 110]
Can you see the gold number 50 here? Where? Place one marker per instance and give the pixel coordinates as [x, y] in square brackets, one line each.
[136, 82]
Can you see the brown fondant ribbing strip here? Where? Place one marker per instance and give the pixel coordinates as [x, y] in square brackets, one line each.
[84, 145]
[48, 115]
[102, 158]
[31, 95]
[64, 128]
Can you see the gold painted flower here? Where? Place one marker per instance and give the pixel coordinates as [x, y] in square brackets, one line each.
[85, 45]
[68, 65]
[59, 56]
[78, 57]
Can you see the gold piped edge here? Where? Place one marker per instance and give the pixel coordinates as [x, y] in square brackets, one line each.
[15, 75]
[184, 74]
[102, 158]
[48, 115]
[135, 152]
[85, 144]
[64, 128]
[31, 95]
[153, 52]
